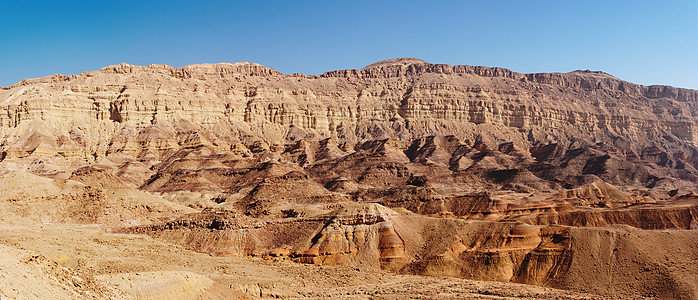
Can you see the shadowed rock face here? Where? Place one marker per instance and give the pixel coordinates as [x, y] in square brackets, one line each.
[405, 166]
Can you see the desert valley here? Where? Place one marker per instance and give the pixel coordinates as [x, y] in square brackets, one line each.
[403, 179]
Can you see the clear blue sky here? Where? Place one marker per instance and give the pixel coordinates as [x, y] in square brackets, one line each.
[646, 42]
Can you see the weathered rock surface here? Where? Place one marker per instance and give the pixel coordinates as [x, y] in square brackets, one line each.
[403, 166]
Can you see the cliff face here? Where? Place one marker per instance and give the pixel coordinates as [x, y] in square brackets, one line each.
[80, 119]
[405, 99]
[405, 166]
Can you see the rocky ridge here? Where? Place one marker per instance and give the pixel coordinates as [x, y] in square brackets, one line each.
[402, 166]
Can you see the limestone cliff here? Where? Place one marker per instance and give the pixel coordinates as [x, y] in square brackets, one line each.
[405, 99]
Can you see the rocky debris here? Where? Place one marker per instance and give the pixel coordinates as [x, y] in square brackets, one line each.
[33, 276]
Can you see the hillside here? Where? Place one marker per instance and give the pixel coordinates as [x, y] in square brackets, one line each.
[577, 181]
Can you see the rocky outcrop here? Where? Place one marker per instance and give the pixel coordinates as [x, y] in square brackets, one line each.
[519, 253]
[405, 166]
[358, 235]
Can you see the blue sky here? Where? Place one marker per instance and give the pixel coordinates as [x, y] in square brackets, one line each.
[646, 42]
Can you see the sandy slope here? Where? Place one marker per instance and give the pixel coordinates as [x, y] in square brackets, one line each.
[25, 275]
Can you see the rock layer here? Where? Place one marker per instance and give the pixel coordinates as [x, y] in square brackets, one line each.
[405, 166]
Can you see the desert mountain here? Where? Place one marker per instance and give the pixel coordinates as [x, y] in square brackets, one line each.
[577, 181]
